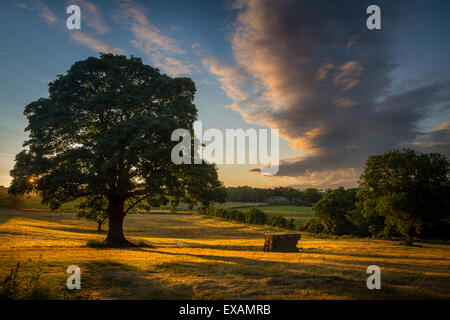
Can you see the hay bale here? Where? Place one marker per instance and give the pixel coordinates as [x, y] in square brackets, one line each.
[281, 242]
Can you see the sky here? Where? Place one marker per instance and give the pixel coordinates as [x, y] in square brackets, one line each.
[337, 91]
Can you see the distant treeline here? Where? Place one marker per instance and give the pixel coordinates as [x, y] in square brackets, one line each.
[307, 197]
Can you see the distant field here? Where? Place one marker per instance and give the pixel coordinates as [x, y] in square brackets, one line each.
[229, 205]
[30, 203]
[299, 213]
[197, 257]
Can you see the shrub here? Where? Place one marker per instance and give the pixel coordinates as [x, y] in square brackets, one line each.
[220, 212]
[256, 216]
[313, 225]
[240, 216]
[291, 224]
[253, 216]
[277, 221]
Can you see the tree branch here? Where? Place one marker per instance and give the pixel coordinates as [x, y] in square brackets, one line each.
[136, 202]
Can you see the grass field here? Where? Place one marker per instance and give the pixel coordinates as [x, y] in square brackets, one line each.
[196, 257]
[229, 205]
[299, 213]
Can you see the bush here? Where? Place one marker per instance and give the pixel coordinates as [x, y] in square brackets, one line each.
[256, 216]
[291, 224]
[236, 215]
[253, 216]
[313, 225]
[240, 216]
[277, 221]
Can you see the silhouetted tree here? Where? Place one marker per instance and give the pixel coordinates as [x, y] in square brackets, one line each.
[105, 130]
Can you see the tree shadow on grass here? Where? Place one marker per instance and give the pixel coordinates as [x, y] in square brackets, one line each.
[288, 278]
[223, 247]
[4, 217]
[203, 233]
[106, 279]
[6, 214]
[72, 230]
[374, 256]
[135, 245]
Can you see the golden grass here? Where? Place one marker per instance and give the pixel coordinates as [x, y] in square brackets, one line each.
[196, 257]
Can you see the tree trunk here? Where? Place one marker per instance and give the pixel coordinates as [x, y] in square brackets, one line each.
[99, 226]
[409, 238]
[116, 215]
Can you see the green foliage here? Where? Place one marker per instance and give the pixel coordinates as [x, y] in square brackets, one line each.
[313, 225]
[333, 210]
[401, 192]
[249, 194]
[93, 208]
[291, 224]
[311, 196]
[409, 189]
[256, 216]
[105, 131]
[277, 221]
[252, 216]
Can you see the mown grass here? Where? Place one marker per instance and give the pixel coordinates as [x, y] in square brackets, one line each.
[196, 257]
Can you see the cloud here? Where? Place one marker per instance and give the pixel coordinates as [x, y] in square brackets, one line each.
[93, 19]
[22, 5]
[159, 47]
[46, 13]
[314, 71]
[437, 140]
[229, 77]
[94, 43]
[92, 16]
[327, 179]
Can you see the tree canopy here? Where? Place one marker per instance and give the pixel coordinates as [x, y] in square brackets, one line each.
[334, 210]
[408, 188]
[93, 208]
[105, 130]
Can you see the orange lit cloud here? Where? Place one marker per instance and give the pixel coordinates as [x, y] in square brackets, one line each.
[311, 71]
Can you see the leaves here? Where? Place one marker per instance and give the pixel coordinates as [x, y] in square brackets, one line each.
[105, 131]
[408, 188]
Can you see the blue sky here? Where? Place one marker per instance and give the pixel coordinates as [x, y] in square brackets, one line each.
[222, 46]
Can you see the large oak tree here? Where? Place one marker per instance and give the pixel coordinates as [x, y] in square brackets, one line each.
[105, 131]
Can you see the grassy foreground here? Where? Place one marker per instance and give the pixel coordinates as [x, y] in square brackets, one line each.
[197, 257]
